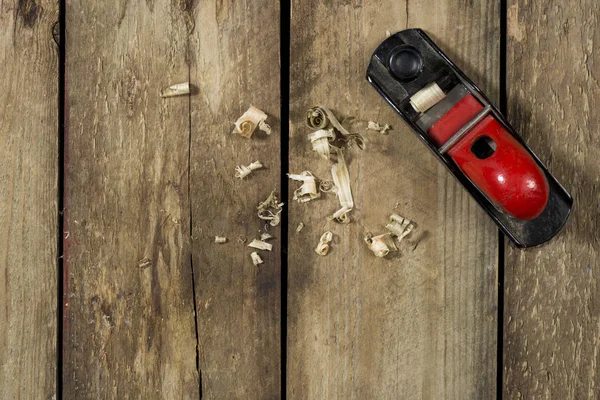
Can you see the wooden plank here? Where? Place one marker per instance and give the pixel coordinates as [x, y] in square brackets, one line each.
[129, 314]
[234, 53]
[551, 339]
[421, 324]
[28, 199]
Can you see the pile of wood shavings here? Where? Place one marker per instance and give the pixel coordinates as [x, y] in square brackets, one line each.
[330, 139]
[398, 228]
[268, 210]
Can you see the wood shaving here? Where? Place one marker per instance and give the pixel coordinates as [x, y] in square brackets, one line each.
[270, 210]
[320, 142]
[381, 245]
[249, 121]
[241, 239]
[321, 118]
[178, 89]
[308, 191]
[341, 215]
[263, 126]
[341, 180]
[399, 226]
[266, 236]
[256, 258]
[259, 244]
[300, 227]
[243, 171]
[323, 247]
[427, 97]
[326, 186]
[220, 239]
[316, 118]
[331, 134]
[375, 126]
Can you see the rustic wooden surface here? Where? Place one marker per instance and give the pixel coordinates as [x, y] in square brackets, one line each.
[552, 327]
[154, 309]
[423, 323]
[28, 199]
[129, 328]
[234, 53]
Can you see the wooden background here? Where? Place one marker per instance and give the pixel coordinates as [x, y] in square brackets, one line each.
[152, 308]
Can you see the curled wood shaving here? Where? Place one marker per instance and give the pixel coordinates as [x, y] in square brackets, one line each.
[256, 258]
[220, 239]
[249, 121]
[243, 171]
[266, 128]
[300, 227]
[326, 186]
[270, 210]
[321, 118]
[316, 118]
[259, 244]
[381, 245]
[308, 190]
[266, 236]
[241, 239]
[399, 226]
[178, 89]
[320, 141]
[323, 247]
[341, 180]
[427, 97]
[375, 126]
[341, 215]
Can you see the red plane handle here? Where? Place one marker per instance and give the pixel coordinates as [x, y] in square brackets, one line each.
[494, 160]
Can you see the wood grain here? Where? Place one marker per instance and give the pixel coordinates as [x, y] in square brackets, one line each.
[552, 327]
[234, 54]
[421, 324]
[129, 328]
[28, 199]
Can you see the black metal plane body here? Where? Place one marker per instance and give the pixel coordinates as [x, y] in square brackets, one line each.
[402, 69]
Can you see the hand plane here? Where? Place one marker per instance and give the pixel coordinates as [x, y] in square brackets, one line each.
[470, 136]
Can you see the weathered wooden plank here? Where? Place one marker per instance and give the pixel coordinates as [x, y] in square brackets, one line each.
[552, 326]
[28, 199]
[421, 324]
[234, 56]
[129, 314]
